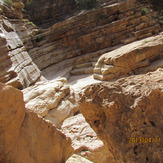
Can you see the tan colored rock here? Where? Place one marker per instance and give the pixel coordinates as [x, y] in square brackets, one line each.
[17, 67]
[127, 116]
[53, 100]
[12, 114]
[129, 58]
[85, 141]
[26, 138]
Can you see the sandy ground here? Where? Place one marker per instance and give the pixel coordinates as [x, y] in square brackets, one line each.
[77, 82]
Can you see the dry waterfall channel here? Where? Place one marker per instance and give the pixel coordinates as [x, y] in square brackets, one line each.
[78, 85]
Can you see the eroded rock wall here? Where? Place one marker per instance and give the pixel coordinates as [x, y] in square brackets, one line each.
[26, 138]
[124, 113]
[60, 46]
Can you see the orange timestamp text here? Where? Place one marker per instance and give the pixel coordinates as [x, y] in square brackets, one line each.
[144, 140]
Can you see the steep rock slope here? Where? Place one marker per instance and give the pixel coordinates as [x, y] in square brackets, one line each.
[138, 57]
[127, 116]
[17, 67]
[26, 138]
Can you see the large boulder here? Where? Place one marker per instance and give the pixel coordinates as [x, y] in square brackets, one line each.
[26, 138]
[127, 116]
[137, 57]
[53, 100]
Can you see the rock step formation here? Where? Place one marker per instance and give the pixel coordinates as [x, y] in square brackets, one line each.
[83, 65]
[85, 70]
[127, 116]
[59, 46]
[141, 56]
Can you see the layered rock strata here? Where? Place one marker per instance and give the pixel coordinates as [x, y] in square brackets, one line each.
[52, 100]
[127, 116]
[65, 43]
[26, 138]
[138, 57]
[16, 66]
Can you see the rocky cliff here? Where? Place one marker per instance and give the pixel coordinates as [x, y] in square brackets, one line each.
[84, 37]
[115, 39]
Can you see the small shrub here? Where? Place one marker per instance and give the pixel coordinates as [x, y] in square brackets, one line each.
[161, 21]
[8, 2]
[31, 23]
[29, 2]
[39, 37]
[144, 11]
[1, 10]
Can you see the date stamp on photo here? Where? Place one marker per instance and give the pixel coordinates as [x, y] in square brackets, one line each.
[143, 140]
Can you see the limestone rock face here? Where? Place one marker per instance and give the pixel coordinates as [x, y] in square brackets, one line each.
[85, 141]
[26, 138]
[16, 66]
[137, 57]
[53, 100]
[127, 116]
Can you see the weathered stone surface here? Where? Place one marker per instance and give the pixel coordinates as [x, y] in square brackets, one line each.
[127, 110]
[26, 138]
[129, 58]
[53, 100]
[85, 141]
[77, 159]
[16, 66]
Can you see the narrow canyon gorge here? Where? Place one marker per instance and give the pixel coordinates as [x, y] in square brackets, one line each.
[81, 81]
